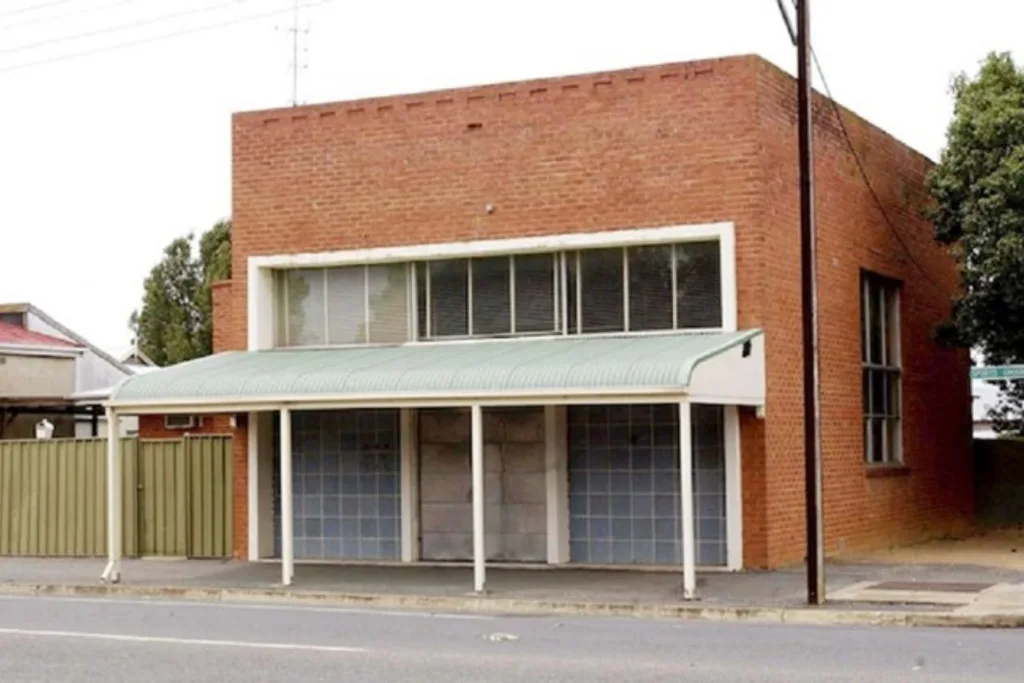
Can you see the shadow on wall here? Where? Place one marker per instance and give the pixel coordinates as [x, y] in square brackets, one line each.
[999, 481]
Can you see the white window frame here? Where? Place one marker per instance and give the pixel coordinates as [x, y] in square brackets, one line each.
[261, 308]
[871, 285]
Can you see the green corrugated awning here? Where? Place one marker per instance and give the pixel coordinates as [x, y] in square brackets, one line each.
[514, 369]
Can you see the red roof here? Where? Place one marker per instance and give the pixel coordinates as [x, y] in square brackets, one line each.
[13, 334]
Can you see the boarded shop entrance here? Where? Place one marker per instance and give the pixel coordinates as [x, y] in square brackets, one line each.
[515, 509]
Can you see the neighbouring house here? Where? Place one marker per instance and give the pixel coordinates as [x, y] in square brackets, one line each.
[138, 362]
[985, 397]
[48, 372]
[558, 322]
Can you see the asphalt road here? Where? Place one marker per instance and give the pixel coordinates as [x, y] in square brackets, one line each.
[80, 640]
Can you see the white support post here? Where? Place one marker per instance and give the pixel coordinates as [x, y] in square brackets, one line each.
[689, 549]
[265, 484]
[253, 484]
[479, 541]
[287, 532]
[112, 573]
[557, 484]
[409, 443]
[733, 490]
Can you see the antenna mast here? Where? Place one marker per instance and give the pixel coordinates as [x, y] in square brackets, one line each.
[295, 31]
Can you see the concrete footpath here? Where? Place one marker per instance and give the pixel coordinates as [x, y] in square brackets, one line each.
[866, 594]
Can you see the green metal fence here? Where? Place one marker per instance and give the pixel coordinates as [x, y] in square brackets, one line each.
[176, 497]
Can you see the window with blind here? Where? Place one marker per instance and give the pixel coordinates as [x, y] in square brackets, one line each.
[343, 306]
[881, 370]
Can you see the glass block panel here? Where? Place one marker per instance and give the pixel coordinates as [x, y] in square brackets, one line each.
[626, 510]
[347, 516]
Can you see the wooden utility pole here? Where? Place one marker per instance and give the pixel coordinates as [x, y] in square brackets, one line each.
[809, 310]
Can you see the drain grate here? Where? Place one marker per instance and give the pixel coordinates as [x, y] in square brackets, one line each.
[932, 586]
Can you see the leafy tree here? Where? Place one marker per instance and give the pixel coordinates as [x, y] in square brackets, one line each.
[175, 322]
[978, 188]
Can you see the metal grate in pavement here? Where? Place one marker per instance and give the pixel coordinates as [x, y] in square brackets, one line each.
[931, 586]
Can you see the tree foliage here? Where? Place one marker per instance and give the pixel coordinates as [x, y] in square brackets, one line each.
[175, 322]
[978, 188]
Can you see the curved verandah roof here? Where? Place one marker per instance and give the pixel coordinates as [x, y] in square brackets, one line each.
[716, 367]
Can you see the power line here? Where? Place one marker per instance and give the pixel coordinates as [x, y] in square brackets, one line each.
[33, 8]
[164, 36]
[853, 150]
[65, 15]
[867, 180]
[121, 27]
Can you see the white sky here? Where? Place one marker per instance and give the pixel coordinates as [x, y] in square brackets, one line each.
[106, 158]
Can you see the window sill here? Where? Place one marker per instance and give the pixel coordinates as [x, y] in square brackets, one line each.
[886, 471]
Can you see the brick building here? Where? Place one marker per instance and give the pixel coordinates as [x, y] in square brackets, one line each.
[558, 322]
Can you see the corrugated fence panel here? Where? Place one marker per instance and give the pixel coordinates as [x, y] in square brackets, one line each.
[210, 495]
[51, 503]
[176, 497]
[130, 497]
[162, 499]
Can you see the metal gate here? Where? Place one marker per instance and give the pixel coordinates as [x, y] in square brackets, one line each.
[184, 497]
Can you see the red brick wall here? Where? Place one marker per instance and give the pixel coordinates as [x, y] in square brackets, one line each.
[755, 493]
[934, 493]
[676, 144]
[225, 325]
[152, 427]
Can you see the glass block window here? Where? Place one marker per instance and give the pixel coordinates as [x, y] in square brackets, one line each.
[624, 501]
[346, 488]
[709, 484]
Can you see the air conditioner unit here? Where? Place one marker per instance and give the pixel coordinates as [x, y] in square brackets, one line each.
[182, 422]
